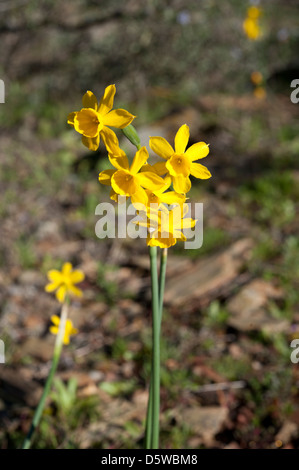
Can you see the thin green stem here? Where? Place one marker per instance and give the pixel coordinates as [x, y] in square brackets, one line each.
[149, 423]
[163, 263]
[156, 350]
[56, 356]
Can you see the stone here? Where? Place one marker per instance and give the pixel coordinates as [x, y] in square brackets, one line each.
[209, 276]
[248, 308]
[206, 421]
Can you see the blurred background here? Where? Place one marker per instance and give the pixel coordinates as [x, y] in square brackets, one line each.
[232, 306]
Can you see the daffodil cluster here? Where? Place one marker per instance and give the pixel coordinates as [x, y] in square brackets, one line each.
[158, 185]
[251, 23]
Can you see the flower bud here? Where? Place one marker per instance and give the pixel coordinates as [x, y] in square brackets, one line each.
[131, 134]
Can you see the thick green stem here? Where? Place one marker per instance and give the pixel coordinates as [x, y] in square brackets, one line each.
[156, 350]
[56, 356]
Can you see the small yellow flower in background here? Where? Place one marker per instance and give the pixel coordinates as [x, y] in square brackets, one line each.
[256, 78]
[127, 180]
[69, 329]
[260, 92]
[63, 282]
[180, 163]
[94, 117]
[251, 28]
[250, 24]
[254, 12]
[165, 226]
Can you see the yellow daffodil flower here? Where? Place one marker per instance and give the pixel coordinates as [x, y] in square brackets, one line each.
[165, 226]
[127, 180]
[69, 329]
[94, 117]
[180, 163]
[63, 282]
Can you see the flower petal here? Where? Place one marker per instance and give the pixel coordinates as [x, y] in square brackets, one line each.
[120, 199]
[74, 331]
[87, 122]
[181, 184]
[51, 287]
[197, 151]
[161, 242]
[200, 171]
[161, 147]
[159, 168]
[60, 294]
[120, 161]
[106, 103]
[105, 177]
[188, 222]
[150, 180]
[54, 275]
[123, 183]
[53, 330]
[181, 139]
[89, 100]
[171, 197]
[139, 199]
[70, 118]
[77, 276]
[66, 269]
[92, 143]
[110, 139]
[55, 319]
[119, 118]
[74, 290]
[139, 160]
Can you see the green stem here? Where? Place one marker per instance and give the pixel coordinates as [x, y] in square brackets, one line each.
[56, 356]
[149, 424]
[163, 263]
[156, 350]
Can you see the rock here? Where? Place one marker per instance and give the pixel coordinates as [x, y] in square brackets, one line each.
[206, 421]
[288, 431]
[39, 348]
[32, 278]
[208, 277]
[19, 386]
[49, 230]
[248, 308]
